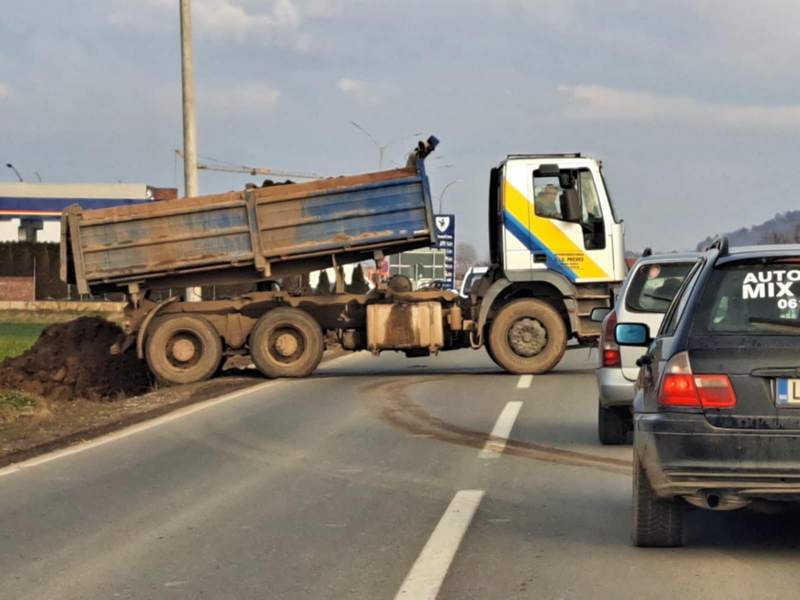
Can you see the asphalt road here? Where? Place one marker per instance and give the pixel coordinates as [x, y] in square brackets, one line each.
[373, 479]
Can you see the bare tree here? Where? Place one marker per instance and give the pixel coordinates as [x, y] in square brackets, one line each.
[466, 256]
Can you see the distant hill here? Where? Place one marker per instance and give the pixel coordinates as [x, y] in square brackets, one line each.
[783, 228]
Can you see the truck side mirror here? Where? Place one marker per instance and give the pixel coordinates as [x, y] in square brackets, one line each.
[599, 313]
[571, 205]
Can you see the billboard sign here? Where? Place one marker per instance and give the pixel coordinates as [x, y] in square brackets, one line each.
[446, 242]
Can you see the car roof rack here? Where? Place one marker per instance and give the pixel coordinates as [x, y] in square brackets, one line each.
[721, 244]
[647, 252]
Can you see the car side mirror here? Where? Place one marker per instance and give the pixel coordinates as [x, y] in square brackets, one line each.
[571, 206]
[632, 334]
[599, 313]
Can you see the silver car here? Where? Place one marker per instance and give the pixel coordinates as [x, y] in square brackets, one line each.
[644, 297]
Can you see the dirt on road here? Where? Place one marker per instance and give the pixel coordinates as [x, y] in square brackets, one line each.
[71, 361]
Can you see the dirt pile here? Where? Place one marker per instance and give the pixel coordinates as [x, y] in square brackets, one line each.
[71, 360]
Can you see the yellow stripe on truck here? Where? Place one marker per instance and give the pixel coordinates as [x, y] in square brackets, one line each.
[551, 236]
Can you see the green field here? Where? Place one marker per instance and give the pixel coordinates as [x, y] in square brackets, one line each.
[15, 338]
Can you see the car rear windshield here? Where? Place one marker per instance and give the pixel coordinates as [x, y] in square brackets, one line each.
[755, 298]
[654, 285]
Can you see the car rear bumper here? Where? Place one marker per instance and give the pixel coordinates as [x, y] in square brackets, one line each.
[614, 389]
[684, 455]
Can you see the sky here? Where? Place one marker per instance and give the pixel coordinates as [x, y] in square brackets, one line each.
[692, 105]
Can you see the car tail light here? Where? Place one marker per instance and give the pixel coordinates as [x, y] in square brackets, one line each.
[715, 391]
[680, 387]
[608, 345]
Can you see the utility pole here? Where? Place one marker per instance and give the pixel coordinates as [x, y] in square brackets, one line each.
[187, 78]
[193, 294]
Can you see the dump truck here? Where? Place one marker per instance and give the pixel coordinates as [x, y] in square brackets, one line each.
[556, 251]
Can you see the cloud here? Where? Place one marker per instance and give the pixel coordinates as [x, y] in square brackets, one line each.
[601, 103]
[365, 93]
[246, 98]
[274, 21]
[5, 91]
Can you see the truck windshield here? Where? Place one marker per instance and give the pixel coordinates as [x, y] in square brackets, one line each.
[750, 299]
[608, 195]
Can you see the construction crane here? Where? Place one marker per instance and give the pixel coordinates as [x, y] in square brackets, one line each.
[224, 167]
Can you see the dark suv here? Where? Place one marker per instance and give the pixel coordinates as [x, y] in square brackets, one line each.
[717, 411]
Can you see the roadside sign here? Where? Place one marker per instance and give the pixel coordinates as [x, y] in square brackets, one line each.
[446, 242]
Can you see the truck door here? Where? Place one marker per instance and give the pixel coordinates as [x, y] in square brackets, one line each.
[567, 225]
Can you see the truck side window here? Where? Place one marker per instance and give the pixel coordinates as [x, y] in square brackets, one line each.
[546, 194]
[594, 233]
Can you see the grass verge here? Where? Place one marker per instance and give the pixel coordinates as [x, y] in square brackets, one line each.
[16, 338]
[14, 404]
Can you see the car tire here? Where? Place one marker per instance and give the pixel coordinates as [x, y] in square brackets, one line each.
[522, 318]
[286, 342]
[657, 523]
[612, 425]
[183, 349]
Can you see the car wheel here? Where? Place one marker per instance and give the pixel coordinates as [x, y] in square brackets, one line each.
[656, 522]
[612, 424]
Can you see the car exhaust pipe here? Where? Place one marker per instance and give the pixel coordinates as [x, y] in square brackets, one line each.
[716, 500]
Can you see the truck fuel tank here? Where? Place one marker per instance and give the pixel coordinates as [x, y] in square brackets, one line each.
[402, 325]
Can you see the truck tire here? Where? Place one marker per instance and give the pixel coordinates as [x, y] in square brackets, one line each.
[183, 349]
[657, 523]
[487, 346]
[286, 342]
[612, 425]
[527, 336]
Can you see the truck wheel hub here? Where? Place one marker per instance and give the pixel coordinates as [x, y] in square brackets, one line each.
[527, 337]
[286, 345]
[183, 350]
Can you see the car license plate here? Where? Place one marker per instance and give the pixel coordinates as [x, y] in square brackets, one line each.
[787, 392]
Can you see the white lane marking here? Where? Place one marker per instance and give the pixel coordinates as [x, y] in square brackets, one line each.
[133, 429]
[427, 575]
[150, 423]
[524, 382]
[496, 443]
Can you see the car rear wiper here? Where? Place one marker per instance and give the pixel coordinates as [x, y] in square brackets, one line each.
[774, 322]
[657, 297]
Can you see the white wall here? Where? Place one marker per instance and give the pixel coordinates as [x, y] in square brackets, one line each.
[50, 233]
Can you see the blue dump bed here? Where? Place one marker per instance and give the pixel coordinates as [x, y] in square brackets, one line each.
[251, 235]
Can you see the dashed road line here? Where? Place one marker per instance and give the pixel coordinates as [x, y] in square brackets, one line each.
[524, 382]
[425, 578]
[498, 439]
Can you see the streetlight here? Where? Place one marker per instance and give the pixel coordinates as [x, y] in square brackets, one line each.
[382, 147]
[13, 168]
[441, 195]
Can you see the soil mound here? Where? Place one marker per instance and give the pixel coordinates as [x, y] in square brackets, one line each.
[72, 360]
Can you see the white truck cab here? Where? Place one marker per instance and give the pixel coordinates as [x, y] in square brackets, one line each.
[557, 249]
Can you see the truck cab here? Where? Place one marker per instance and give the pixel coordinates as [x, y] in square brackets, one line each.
[557, 248]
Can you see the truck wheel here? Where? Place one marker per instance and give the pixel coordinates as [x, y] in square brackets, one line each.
[527, 336]
[656, 522]
[286, 342]
[183, 349]
[612, 425]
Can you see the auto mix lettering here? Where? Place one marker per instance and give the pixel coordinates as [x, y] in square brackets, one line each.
[769, 284]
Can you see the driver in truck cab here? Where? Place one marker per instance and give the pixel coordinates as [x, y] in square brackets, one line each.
[546, 202]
